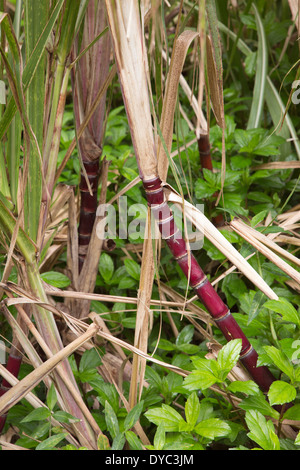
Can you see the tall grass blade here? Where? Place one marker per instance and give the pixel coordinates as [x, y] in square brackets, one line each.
[260, 76]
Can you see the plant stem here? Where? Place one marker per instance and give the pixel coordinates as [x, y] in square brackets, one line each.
[200, 283]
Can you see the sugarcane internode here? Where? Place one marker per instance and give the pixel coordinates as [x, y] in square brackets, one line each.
[200, 283]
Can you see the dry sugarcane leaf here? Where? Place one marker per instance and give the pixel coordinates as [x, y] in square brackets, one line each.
[131, 59]
[215, 77]
[143, 314]
[214, 91]
[214, 235]
[72, 246]
[239, 224]
[181, 46]
[254, 241]
[295, 7]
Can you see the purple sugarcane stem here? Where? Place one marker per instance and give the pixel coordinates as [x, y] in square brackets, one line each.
[13, 366]
[206, 162]
[200, 283]
[204, 152]
[88, 207]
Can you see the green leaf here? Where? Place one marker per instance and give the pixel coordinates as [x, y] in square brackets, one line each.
[111, 420]
[65, 417]
[261, 431]
[51, 442]
[106, 267]
[133, 441]
[285, 309]
[51, 397]
[170, 418]
[200, 380]
[259, 403]
[118, 442]
[133, 268]
[229, 355]
[293, 413]
[90, 360]
[212, 428]
[248, 387]
[192, 409]
[256, 305]
[56, 279]
[258, 218]
[133, 416]
[185, 335]
[39, 414]
[281, 361]
[160, 437]
[281, 392]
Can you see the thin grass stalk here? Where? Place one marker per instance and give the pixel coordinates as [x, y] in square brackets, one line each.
[130, 56]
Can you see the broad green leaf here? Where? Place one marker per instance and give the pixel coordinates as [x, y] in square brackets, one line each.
[133, 268]
[185, 335]
[133, 441]
[248, 387]
[111, 420]
[56, 279]
[118, 442]
[200, 380]
[281, 361]
[90, 360]
[39, 414]
[192, 409]
[51, 397]
[261, 431]
[170, 418]
[285, 309]
[133, 416]
[51, 442]
[259, 403]
[256, 305]
[281, 392]
[212, 428]
[106, 267]
[64, 417]
[160, 437]
[229, 355]
[293, 413]
[258, 218]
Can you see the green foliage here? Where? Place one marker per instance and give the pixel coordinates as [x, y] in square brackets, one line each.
[203, 407]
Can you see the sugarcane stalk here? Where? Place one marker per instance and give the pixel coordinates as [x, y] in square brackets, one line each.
[200, 283]
[206, 162]
[131, 59]
[88, 76]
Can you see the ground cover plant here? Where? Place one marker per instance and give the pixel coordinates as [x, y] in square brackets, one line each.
[149, 217]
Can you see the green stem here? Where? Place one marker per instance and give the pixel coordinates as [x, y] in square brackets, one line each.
[59, 76]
